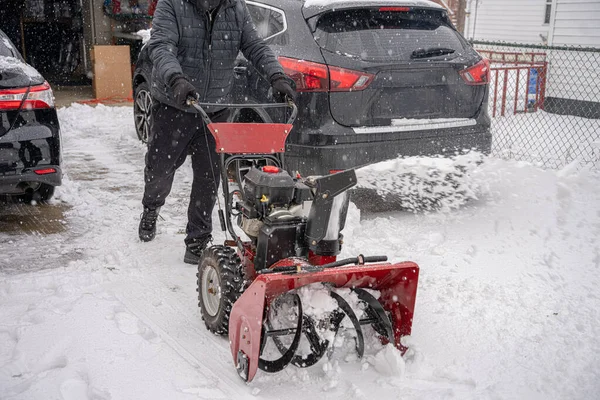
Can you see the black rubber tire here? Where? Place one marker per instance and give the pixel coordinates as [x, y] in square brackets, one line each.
[142, 110]
[228, 267]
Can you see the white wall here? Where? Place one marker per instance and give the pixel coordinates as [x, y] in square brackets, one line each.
[520, 21]
[575, 75]
[576, 22]
[571, 74]
[573, 22]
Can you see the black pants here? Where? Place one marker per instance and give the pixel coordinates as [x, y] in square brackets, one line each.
[173, 135]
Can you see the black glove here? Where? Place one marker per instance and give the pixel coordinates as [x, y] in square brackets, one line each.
[282, 88]
[182, 89]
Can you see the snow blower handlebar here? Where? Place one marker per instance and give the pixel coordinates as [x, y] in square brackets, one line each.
[199, 106]
[245, 141]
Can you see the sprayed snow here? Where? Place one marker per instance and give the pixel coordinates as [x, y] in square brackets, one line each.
[425, 183]
[507, 304]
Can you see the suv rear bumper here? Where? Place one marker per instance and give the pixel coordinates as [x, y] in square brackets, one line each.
[320, 159]
[25, 149]
[19, 183]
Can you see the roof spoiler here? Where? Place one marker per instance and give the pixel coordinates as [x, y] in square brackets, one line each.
[316, 7]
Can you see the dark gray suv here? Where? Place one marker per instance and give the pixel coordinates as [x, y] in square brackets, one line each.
[375, 80]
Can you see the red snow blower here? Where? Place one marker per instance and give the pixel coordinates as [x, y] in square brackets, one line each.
[251, 288]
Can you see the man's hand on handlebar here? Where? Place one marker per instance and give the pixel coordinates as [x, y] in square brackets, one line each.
[282, 88]
[183, 90]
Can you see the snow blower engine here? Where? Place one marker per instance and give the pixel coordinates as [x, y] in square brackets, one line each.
[252, 288]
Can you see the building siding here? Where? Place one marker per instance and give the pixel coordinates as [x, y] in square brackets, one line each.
[573, 22]
[507, 20]
[576, 22]
[572, 75]
[575, 75]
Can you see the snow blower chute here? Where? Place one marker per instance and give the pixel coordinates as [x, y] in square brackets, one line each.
[250, 288]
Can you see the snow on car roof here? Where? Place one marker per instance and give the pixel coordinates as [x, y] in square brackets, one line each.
[12, 63]
[319, 4]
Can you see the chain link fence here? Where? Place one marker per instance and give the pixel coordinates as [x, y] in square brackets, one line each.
[544, 103]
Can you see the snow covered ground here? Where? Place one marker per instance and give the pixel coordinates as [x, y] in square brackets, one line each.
[508, 305]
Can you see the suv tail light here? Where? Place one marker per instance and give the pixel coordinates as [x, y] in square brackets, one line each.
[478, 74]
[40, 96]
[315, 77]
[45, 171]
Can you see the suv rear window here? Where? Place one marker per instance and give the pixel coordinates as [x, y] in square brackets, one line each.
[372, 34]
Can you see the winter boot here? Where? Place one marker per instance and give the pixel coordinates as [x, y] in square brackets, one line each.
[194, 250]
[147, 229]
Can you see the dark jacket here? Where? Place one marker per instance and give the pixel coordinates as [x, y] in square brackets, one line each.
[185, 41]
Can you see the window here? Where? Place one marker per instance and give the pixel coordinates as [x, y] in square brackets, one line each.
[269, 21]
[371, 34]
[6, 47]
[548, 11]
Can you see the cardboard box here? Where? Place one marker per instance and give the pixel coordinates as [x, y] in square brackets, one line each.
[112, 72]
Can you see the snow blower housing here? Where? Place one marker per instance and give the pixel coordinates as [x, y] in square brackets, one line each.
[250, 288]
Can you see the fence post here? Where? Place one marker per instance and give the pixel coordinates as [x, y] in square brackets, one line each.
[504, 91]
[543, 76]
[537, 89]
[517, 91]
[495, 93]
[527, 90]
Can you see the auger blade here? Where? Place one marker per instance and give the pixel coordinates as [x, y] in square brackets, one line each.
[376, 313]
[287, 356]
[345, 307]
[317, 346]
[375, 316]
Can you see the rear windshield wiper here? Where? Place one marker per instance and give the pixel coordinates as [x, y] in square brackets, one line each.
[12, 125]
[431, 52]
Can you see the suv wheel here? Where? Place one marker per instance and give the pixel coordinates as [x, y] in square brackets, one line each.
[142, 107]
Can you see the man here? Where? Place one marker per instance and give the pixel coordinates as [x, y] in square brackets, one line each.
[193, 46]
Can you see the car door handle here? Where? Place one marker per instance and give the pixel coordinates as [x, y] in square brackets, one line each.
[240, 70]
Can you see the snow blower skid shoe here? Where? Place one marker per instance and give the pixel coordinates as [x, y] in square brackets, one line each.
[253, 289]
